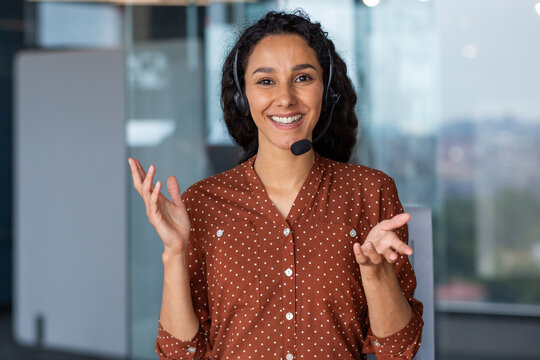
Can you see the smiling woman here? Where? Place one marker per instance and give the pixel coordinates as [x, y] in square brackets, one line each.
[286, 255]
[284, 87]
[338, 119]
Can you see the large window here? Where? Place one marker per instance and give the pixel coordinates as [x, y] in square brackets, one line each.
[453, 116]
[487, 161]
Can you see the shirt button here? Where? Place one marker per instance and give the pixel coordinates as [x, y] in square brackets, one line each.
[286, 231]
[288, 272]
[376, 343]
[191, 349]
[352, 233]
[219, 233]
[289, 316]
[289, 356]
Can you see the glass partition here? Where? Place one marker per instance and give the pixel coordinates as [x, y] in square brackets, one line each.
[164, 127]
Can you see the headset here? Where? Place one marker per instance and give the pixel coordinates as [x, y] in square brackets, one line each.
[240, 99]
[330, 97]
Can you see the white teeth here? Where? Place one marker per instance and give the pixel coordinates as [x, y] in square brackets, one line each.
[286, 120]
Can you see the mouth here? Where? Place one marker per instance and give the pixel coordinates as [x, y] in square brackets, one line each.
[286, 120]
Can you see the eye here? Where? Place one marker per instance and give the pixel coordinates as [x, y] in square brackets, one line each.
[265, 82]
[302, 78]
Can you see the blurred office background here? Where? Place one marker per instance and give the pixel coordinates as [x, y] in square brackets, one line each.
[449, 104]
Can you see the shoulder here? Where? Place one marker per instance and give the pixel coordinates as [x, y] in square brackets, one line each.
[357, 174]
[232, 180]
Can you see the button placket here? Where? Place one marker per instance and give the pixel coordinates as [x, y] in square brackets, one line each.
[289, 291]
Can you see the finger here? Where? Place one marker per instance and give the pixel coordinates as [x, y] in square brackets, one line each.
[395, 222]
[143, 176]
[142, 172]
[135, 175]
[391, 256]
[174, 190]
[147, 185]
[391, 242]
[361, 259]
[154, 198]
[401, 247]
[371, 253]
[140, 168]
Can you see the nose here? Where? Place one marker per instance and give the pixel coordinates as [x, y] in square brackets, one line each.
[285, 96]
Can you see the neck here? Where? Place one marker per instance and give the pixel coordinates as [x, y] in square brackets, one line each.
[281, 169]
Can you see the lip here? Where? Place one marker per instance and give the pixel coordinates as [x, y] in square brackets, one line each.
[286, 126]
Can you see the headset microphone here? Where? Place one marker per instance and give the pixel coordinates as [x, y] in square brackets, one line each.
[303, 146]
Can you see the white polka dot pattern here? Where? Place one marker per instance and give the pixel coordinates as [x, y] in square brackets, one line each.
[265, 287]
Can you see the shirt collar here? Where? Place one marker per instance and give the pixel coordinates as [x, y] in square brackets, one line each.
[305, 196]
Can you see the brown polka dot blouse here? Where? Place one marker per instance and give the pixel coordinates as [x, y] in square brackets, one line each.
[265, 287]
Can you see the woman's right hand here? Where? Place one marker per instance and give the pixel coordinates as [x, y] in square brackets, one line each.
[169, 218]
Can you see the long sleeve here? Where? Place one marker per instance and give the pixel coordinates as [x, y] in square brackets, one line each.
[405, 343]
[169, 347]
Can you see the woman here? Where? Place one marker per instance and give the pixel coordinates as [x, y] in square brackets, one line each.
[282, 256]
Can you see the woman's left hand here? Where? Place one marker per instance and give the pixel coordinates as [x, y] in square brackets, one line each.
[382, 245]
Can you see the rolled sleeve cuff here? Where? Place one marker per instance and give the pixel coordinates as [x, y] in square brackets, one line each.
[404, 344]
[169, 347]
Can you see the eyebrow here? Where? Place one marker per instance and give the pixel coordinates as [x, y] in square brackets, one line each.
[298, 67]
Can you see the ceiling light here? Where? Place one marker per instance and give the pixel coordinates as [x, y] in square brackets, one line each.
[371, 3]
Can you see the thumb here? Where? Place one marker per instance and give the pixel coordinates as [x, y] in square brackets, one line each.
[174, 190]
[395, 222]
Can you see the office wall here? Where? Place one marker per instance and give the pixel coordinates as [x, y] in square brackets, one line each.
[70, 202]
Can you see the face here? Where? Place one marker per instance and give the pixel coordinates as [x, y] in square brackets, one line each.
[284, 87]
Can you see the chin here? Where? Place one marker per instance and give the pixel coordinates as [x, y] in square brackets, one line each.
[284, 142]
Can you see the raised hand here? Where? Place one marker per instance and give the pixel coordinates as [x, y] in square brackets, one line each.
[169, 218]
[382, 245]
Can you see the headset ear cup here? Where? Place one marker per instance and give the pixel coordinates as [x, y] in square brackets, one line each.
[241, 103]
[239, 97]
[331, 98]
[238, 101]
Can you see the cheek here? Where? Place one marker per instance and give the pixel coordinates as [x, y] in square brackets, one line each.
[315, 96]
[258, 100]
[314, 100]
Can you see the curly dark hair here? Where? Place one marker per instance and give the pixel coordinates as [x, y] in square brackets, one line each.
[339, 140]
